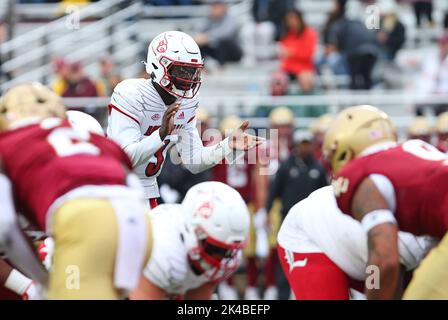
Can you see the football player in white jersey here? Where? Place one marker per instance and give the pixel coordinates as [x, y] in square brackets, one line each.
[323, 252]
[197, 244]
[148, 116]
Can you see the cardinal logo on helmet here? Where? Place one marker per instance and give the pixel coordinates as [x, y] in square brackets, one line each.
[205, 210]
[163, 46]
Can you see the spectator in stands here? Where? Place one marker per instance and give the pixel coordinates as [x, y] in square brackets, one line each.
[423, 8]
[332, 59]
[296, 51]
[78, 84]
[445, 21]
[109, 76]
[273, 11]
[169, 2]
[61, 69]
[391, 35]
[443, 6]
[359, 47]
[279, 84]
[219, 37]
[66, 4]
[434, 75]
[266, 26]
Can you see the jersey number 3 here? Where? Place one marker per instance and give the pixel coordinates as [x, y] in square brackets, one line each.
[154, 167]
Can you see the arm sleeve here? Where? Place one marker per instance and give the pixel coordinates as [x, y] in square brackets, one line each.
[126, 132]
[197, 158]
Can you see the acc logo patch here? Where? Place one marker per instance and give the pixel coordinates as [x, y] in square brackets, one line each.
[340, 185]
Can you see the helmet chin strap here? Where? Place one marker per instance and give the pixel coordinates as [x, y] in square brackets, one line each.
[167, 98]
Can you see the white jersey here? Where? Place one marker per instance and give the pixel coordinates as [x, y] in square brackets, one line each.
[168, 267]
[315, 224]
[135, 116]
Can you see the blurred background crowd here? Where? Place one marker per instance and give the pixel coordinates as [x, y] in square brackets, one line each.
[282, 64]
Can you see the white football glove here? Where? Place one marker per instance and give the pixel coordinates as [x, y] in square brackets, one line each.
[34, 292]
[413, 249]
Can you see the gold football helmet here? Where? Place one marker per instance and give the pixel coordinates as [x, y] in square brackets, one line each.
[229, 124]
[420, 129]
[202, 115]
[354, 130]
[281, 116]
[32, 100]
[322, 124]
[442, 123]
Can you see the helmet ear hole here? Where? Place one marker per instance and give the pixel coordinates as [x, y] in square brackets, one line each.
[154, 66]
[342, 156]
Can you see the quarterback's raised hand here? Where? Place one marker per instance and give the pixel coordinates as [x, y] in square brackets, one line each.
[240, 140]
[168, 120]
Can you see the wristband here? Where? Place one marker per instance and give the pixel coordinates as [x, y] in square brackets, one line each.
[17, 282]
[377, 217]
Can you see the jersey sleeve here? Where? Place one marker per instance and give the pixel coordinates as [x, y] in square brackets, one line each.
[197, 158]
[345, 185]
[125, 99]
[124, 126]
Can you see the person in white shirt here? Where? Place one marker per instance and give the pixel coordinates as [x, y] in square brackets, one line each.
[433, 78]
[197, 244]
[148, 116]
[323, 252]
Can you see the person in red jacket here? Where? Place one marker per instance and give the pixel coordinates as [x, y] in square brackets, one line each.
[297, 49]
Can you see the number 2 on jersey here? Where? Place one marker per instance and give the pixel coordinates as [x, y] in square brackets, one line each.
[154, 167]
[423, 150]
[68, 142]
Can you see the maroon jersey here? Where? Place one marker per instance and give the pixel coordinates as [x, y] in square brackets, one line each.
[44, 161]
[419, 175]
[238, 176]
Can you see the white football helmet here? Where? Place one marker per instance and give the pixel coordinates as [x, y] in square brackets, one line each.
[175, 63]
[84, 121]
[216, 228]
